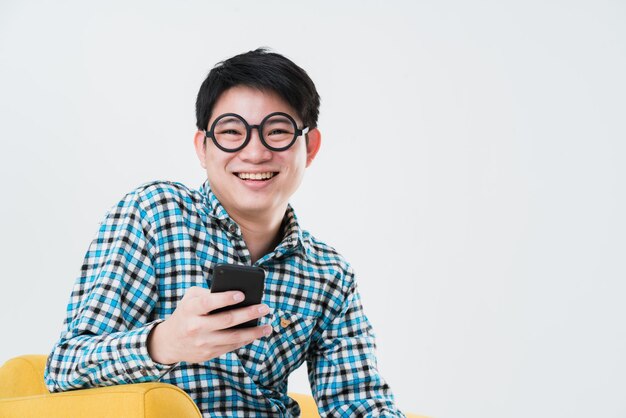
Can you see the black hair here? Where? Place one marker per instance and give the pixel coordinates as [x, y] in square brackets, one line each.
[263, 70]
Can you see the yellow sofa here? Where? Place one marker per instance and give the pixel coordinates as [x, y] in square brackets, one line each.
[23, 394]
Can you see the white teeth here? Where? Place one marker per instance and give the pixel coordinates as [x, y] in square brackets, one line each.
[255, 176]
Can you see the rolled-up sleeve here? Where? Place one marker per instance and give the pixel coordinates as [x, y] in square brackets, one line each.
[110, 313]
[342, 365]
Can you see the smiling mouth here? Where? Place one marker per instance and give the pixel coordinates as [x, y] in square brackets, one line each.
[256, 176]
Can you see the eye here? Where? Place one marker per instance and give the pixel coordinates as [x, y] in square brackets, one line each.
[279, 132]
[230, 132]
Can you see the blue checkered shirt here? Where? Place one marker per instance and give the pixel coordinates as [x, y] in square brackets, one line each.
[163, 238]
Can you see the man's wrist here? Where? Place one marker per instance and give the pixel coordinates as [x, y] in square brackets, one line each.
[156, 346]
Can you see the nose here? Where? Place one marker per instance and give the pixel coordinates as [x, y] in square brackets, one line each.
[255, 151]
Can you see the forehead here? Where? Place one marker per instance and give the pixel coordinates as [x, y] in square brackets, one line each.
[251, 103]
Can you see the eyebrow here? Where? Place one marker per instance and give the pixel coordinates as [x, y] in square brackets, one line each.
[278, 119]
[230, 119]
[274, 120]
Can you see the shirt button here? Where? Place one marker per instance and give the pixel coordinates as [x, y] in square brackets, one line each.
[232, 229]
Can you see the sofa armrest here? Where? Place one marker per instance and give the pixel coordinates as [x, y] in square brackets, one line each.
[23, 394]
[154, 400]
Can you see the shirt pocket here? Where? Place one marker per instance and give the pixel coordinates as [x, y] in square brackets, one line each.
[286, 345]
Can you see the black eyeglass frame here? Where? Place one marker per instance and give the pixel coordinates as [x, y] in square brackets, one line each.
[297, 132]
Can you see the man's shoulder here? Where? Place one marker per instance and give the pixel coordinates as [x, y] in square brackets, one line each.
[164, 189]
[150, 200]
[160, 193]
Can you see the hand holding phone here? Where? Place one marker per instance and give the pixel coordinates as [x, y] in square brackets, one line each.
[190, 335]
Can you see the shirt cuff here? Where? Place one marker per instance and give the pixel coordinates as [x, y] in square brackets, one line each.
[133, 354]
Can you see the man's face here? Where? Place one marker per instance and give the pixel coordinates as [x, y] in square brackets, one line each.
[246, 197]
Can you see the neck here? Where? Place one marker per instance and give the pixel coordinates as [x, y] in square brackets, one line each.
[260, 233]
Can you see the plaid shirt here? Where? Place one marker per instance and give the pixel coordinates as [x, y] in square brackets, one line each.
[163, 238]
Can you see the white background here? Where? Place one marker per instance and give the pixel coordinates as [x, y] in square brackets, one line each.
[472, 171]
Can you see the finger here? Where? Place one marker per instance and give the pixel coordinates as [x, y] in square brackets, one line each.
[230, 318]
[206, 301]
[194, 291]
[239, 337]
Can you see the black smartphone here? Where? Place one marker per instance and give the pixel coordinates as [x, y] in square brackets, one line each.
[247, 279]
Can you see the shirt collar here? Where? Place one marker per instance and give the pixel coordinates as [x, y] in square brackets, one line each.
[293, 236]
[215, 207]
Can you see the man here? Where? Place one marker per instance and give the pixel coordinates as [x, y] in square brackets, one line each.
[141, 309]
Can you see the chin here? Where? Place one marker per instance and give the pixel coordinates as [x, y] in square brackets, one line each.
[253, 204]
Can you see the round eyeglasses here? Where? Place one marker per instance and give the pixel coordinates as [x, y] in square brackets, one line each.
[278, 132]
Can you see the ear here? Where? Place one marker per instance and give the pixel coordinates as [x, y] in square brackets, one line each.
[198, 143]
[313, 145]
